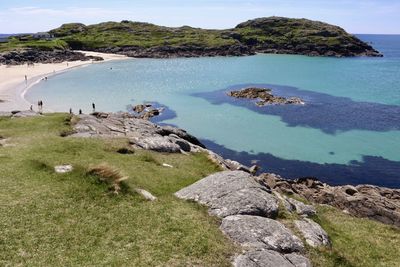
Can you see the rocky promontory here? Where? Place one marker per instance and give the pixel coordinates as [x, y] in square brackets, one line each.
[43, 56]
[265, 97]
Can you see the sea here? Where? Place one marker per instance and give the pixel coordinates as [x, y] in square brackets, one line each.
[348, 132]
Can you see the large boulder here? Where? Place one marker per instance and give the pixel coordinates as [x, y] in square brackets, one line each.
[313, 233]
[269, 258]
[156, 143]
[261, 233]
[231, 193]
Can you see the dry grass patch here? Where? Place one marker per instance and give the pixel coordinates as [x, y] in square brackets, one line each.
[109, 175]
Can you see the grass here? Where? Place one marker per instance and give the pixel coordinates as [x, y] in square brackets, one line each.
[50, 219]
[277, 33]
[356, 242]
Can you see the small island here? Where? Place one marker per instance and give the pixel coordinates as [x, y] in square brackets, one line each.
[265, 97]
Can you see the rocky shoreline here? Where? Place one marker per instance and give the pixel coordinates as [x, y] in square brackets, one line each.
[42, 56]
[264, 97]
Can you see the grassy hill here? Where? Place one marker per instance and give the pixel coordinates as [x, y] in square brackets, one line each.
[269, 35]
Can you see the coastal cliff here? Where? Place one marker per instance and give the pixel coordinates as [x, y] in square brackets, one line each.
[276, 35]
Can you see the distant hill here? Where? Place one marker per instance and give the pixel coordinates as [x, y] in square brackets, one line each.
[262, 35]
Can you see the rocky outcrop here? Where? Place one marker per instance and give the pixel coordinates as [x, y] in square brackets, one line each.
[43, 56]
[265, 97]
[232, 193]
[366, 201]
[248, 210]
[144, 134]
[312, 232]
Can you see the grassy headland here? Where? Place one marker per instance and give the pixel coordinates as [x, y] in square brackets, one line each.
[269, 35]
[51, 219]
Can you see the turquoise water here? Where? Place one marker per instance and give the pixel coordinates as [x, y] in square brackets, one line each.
[332, 144]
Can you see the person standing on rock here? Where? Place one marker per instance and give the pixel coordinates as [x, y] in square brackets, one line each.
[94, 107]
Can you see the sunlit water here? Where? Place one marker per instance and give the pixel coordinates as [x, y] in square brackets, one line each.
[348, 131]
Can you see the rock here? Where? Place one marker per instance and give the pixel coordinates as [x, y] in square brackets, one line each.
[230, 193]
[43, 56]
[63, 168]
[167, 165]
[254, 169]
[301, 208]
[265, 96]
[156, 143]
[313, 233]
[298, 260]
[265, 258]
[139, 108]
[365, 201]
[261, 233]
[147, 195]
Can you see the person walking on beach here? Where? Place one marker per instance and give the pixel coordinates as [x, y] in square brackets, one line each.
[26, 79]
[94, 107]
[80, 111]
[40, 105]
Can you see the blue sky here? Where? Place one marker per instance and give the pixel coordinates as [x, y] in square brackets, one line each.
[356, 16]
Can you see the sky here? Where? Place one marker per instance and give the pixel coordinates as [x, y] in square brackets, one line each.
[356, 16]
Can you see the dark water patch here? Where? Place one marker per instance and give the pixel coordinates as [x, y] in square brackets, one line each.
[371, 170]
[331, 114]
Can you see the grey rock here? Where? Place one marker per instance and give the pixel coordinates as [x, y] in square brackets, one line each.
[230, 193]
[301, 208]
[298, 260]
[261, 233]
[264, 258]
[313, 233]
[63, 168]
[156, 143]
[147, 195]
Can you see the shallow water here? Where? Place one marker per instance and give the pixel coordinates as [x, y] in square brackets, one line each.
[348, 131]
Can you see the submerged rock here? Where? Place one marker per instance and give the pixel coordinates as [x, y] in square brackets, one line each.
[231, 193]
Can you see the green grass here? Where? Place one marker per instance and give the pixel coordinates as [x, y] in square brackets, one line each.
[73, 219]
[356, 242]
[50, 219]
[277, 33]
[15, 44]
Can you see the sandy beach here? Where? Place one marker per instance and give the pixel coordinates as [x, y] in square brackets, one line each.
[13, 85]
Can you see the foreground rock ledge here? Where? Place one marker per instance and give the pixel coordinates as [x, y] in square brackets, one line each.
[231, 193]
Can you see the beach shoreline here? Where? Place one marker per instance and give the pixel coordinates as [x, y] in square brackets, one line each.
[13, 86]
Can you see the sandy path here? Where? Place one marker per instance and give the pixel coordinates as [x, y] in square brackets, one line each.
[12, 79]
